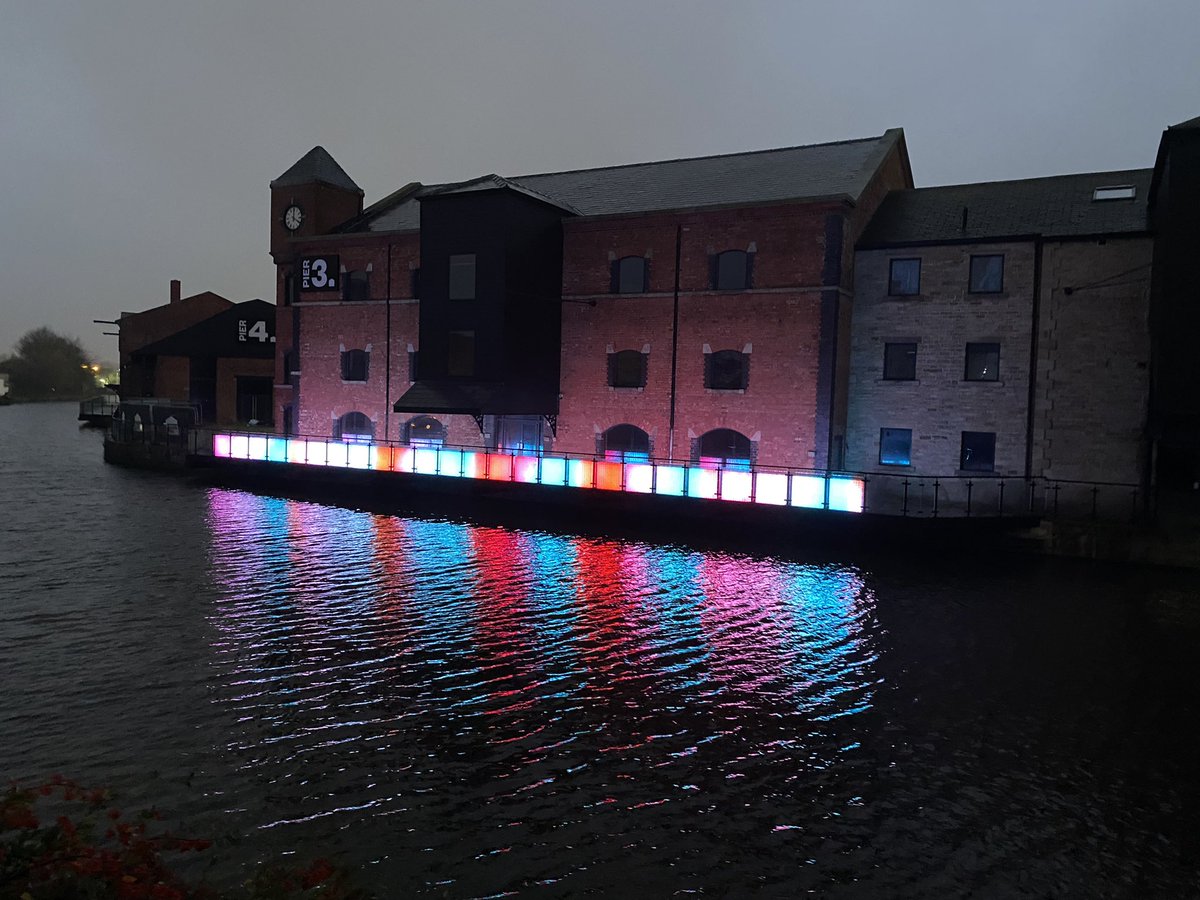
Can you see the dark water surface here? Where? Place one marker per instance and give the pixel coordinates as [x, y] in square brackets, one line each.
[466, 711]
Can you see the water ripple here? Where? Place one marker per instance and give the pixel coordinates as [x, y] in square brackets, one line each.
[473, 711]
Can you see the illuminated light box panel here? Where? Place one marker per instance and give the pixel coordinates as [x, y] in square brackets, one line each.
[425, 461]
[844, 493]
[527, 470]
[609, 476]
[847, 494]
[497, 467]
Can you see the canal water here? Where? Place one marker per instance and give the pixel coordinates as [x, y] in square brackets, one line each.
[457, 710]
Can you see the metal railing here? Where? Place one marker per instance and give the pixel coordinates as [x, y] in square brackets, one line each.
[98, 406]
[904, 495]
[998, 496]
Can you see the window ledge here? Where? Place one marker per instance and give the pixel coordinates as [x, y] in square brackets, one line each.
[996, 295]
[905, 296]
[626, 390]
[998, 381]
[354, 381]
[709, 390]
[897, 380]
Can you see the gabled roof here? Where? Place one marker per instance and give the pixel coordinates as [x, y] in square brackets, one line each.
[204, 298]
[1059, 206]
[317, 165]
[842, 169]
[219, 335]
[495, 183]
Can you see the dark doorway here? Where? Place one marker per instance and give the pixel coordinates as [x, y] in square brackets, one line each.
[254, 401]
[522, 434]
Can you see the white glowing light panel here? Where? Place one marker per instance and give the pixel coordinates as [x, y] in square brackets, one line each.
[839, 492]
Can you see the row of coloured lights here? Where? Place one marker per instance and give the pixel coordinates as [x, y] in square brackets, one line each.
[838, 492]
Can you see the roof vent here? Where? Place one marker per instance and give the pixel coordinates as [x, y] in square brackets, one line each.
[1115, 192]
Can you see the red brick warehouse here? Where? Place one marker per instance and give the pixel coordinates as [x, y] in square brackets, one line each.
[689, 309]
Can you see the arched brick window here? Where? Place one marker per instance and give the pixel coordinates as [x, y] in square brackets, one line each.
[723, 448]
[624, 443]
[354, 427]
[424, 431]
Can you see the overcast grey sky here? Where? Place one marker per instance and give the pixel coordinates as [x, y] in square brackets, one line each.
[137, 138]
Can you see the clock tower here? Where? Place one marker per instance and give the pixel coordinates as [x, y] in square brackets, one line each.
[313, 197]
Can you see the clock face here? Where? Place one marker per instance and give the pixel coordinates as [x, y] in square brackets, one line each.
[292, 217]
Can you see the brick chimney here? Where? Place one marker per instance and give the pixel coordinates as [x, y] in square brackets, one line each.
[176, 290]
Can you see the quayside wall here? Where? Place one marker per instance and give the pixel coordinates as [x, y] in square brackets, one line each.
[730, 507]
[744, 507]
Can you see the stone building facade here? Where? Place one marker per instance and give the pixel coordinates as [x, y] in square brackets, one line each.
[1092, 391]
[933, 392]
[1001, 329]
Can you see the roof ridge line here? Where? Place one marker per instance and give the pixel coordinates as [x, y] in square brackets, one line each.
[935, 187]
[663, 162]
[386, 202]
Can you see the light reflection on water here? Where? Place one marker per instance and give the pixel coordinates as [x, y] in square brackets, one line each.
[493, 687]
[463, 711]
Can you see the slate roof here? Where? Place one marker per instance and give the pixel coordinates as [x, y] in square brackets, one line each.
[839, 169]
[1059, 206]
[401, 215]
[1189, 125]
[317, 165]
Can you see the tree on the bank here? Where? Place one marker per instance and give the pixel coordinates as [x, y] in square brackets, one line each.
[48, 366]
